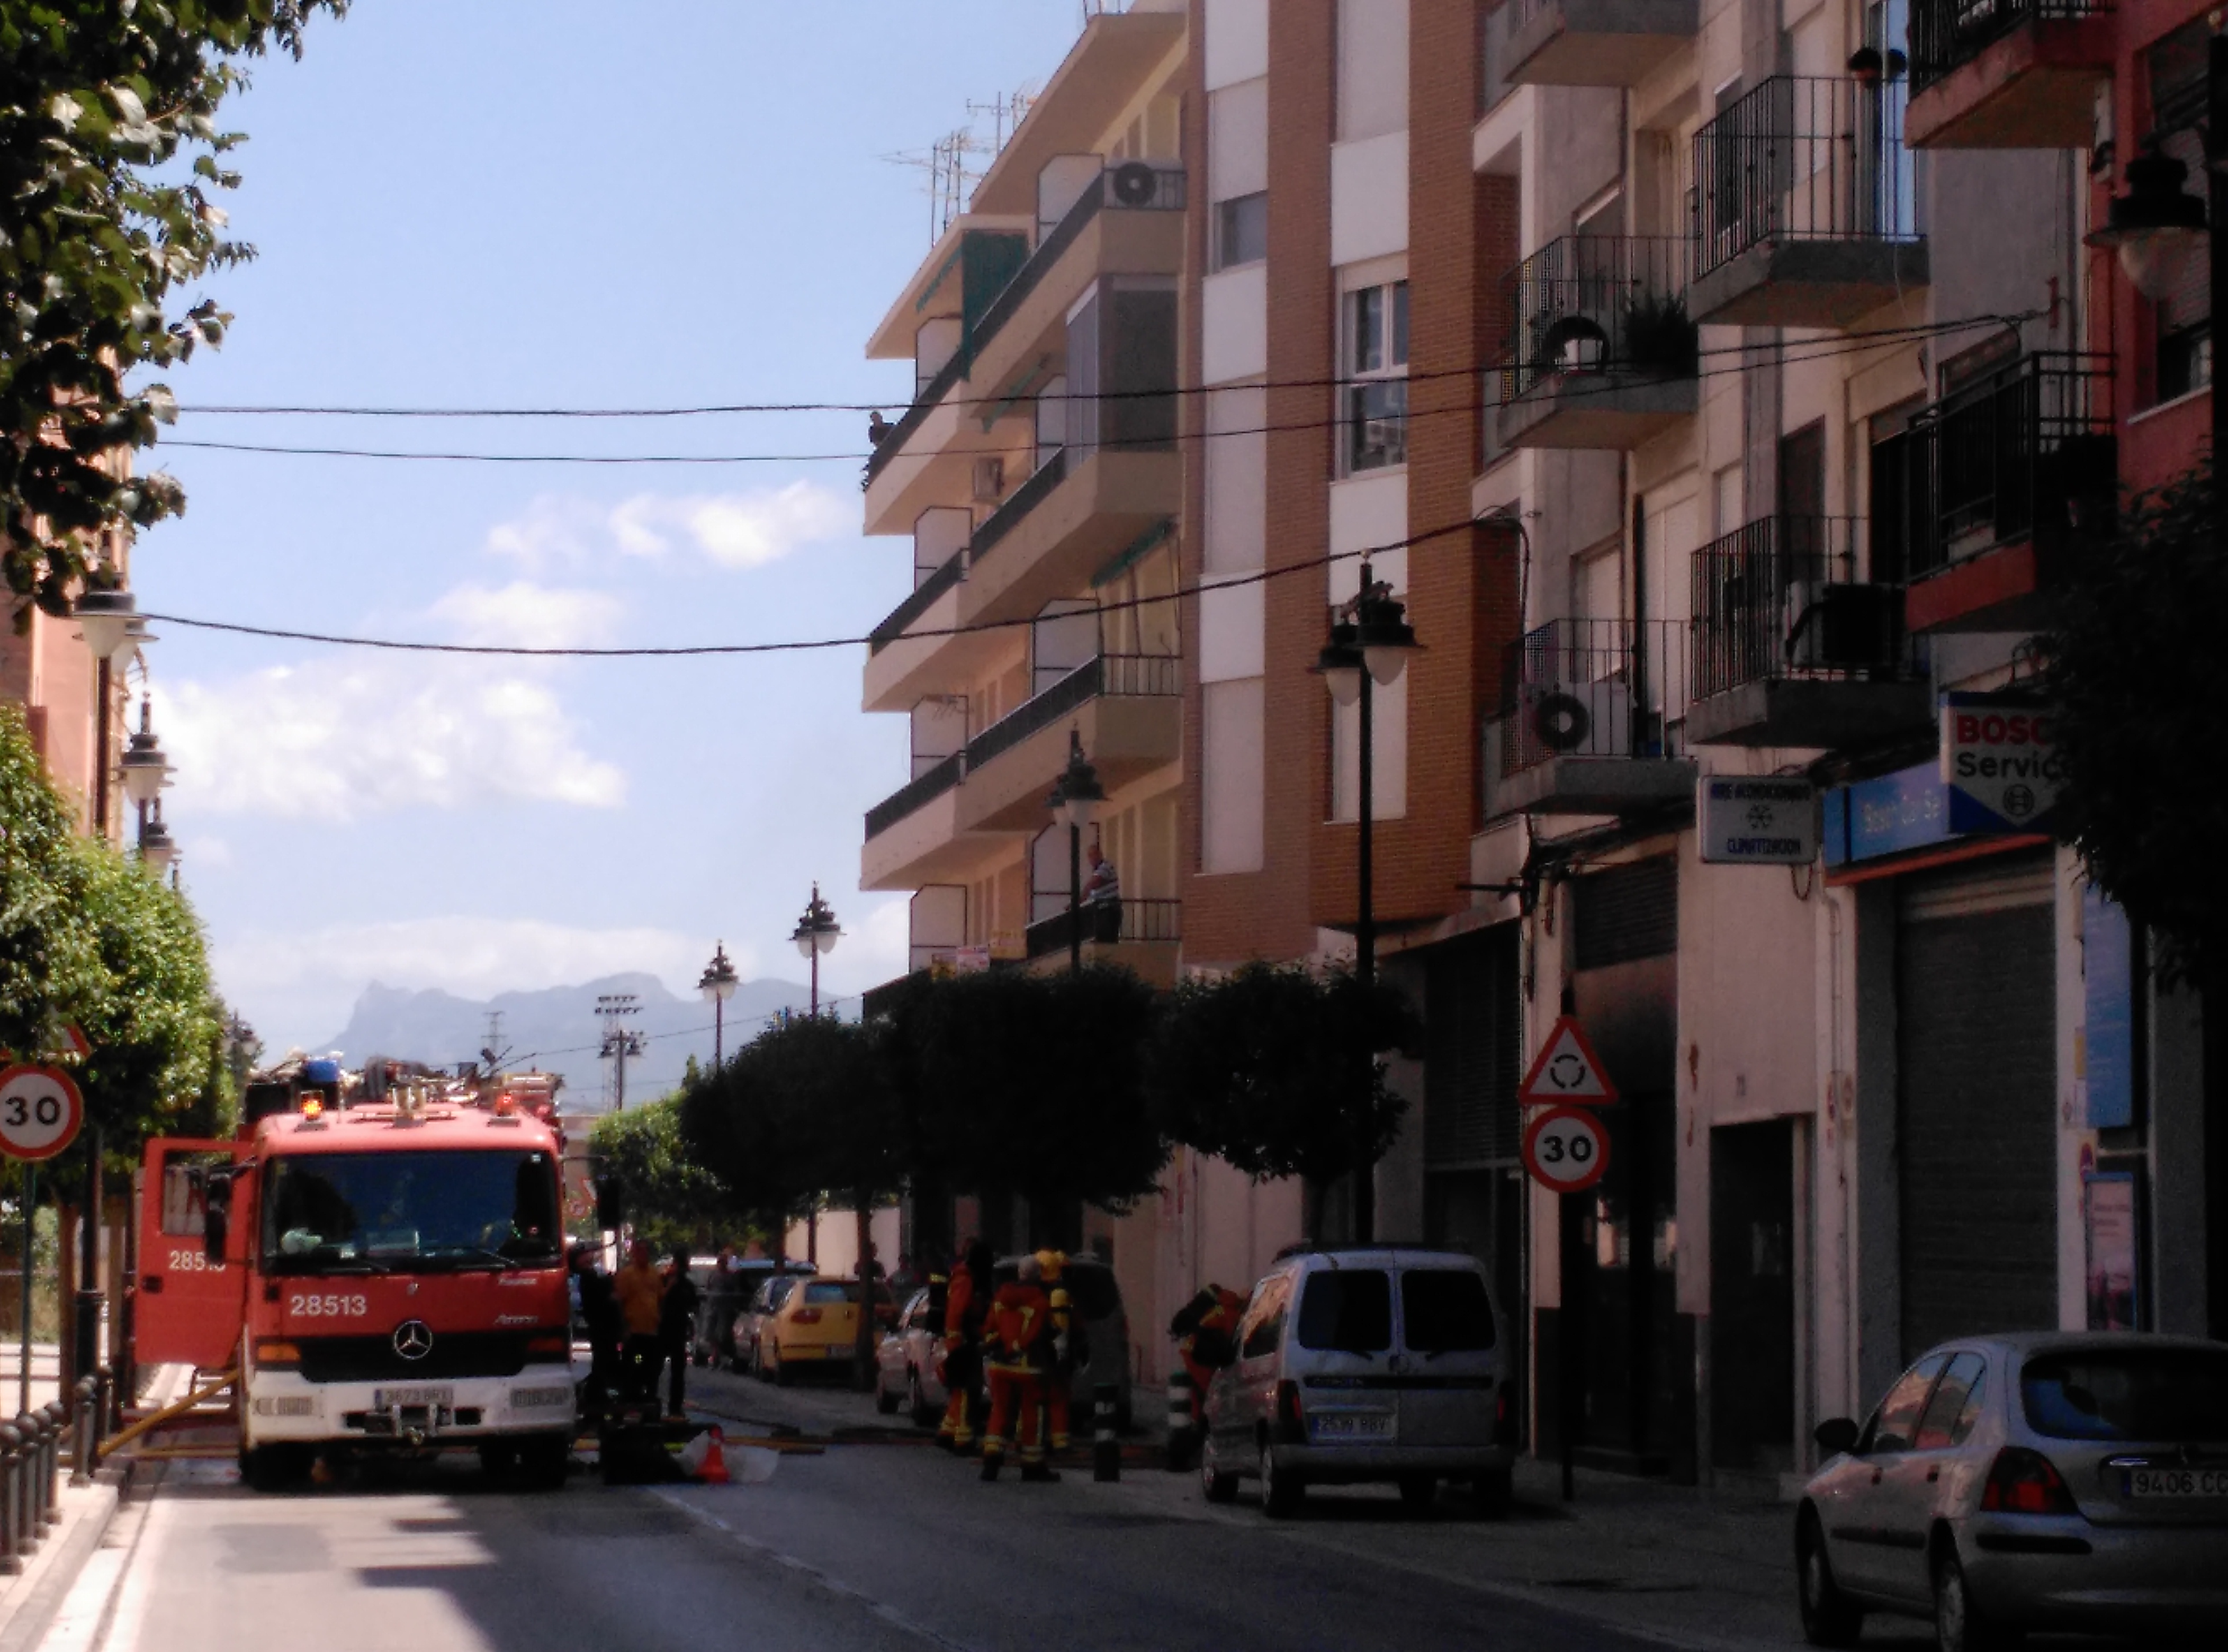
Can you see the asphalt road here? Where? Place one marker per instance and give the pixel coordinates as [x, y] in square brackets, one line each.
[871, 1546]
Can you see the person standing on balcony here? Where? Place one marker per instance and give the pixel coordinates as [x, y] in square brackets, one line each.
[1102, 893]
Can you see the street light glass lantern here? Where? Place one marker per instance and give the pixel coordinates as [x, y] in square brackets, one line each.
[105, 618]
[1076, 797]
[1384, 636]
[144, 769]
[2157, 226]
[719, 981]
[1340, 665]
[817, 931]
[156, 849]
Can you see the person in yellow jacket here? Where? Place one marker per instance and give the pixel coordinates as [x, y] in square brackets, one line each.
[1068, 1347]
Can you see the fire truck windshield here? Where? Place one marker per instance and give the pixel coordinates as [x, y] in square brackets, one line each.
[381, 1213]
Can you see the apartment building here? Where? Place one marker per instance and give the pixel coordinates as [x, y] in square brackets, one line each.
[1722, 385]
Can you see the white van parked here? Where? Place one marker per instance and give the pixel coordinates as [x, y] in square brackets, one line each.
[1367, 1363]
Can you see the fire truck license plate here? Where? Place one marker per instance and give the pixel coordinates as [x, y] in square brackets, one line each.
[387, 1398]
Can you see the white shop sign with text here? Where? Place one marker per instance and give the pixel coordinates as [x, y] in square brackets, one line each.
[1757, 820]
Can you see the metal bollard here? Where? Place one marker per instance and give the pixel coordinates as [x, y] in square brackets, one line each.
[1179, 1458]
[31, 1509]
[83, 1422]
[1105, 1445]
[56, 1416]
[11, 1487]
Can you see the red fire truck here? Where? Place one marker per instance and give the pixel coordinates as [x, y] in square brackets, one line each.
[386, 1276]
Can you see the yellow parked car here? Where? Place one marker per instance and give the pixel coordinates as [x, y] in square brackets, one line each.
[816, 1327]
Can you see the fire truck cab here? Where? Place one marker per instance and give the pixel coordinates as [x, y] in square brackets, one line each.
[383, 1277]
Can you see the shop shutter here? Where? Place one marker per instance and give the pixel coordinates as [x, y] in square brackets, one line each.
[1976, 1059]
[1625, 912]
[1472, 1048]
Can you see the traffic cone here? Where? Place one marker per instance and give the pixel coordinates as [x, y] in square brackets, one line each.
[714, 1469]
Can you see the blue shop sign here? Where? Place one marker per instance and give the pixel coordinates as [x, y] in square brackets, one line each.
[1908, 810]
[2108, 1019]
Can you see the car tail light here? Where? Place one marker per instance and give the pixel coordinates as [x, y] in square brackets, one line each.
[805, 1317]
[555, 1347]
[1504, 1420]
[2021, 1482]
[276, 1355]
[1288, 1410]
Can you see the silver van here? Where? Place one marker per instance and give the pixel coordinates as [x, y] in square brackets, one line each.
[1371, 1363]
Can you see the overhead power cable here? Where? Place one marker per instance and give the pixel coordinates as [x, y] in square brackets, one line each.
[802, 645]
[1870, 338]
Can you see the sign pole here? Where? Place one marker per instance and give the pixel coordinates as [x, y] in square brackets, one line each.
[30, 1206]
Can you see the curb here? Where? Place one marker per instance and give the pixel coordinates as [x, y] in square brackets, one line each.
[47, 1582]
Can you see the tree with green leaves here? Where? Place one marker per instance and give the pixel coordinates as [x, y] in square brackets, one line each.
[110, 160]
[671, 1199]
[1279, 1070]
[2130, 673]
[48, 965]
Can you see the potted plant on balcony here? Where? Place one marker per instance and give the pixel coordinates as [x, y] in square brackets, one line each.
[1659, 337]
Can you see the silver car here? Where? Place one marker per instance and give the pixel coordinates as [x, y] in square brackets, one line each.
[1376, 1363]
[909, 1363]
[2044, 1481]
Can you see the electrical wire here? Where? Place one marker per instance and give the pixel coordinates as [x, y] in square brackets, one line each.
[690, 650]
[723, 409]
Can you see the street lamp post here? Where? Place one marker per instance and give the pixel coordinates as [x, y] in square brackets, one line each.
[144, 772]
[1370, 642]
[1075, 798]
[817, 932]
[718, 984]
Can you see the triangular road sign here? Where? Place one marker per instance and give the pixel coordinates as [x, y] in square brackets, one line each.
[1566, 1072]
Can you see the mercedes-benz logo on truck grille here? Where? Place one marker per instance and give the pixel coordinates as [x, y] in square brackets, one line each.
[414, 1339]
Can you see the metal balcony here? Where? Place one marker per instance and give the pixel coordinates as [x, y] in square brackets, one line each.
[1129, 710]
[1977, 504]
[1792, 646]
[2007, 74]
[1595, 42]
[1142, 933]
[1805, 207]
[1600, 351]
[1591, 721]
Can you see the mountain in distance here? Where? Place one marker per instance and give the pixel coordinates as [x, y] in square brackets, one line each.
[558, 1030]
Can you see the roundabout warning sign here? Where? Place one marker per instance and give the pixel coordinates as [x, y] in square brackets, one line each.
[1567, 1072]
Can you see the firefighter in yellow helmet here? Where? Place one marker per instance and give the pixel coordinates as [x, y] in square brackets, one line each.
[966, 1305]
[1017, 1351]
[1070, 1346]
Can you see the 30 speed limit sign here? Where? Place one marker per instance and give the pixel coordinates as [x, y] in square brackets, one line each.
[39, 1111]
[1567, 1148]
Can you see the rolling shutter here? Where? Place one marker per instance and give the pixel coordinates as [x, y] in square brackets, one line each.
[1473, 1037]
[1976, 1058]
[1626, 913]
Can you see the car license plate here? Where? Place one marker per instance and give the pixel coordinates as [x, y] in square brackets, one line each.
[2178, 1483]
[1330, 1427]
[388, 1398]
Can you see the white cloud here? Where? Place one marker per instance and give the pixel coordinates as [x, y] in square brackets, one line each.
[366, 736]
[736, 530]
[524, 615]
[875, 948]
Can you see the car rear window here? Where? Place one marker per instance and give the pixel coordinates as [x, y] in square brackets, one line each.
[2158, 1394]
[1444, 1311]
[829, 1290]
[1347, 1309]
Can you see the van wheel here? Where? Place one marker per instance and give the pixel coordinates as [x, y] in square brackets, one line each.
[1417, 1492]
[1282, 1489]
[276, 1467]
[1494, 1490]
[1218, 1487]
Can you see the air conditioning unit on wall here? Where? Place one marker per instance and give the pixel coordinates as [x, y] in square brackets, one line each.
[1577, 718]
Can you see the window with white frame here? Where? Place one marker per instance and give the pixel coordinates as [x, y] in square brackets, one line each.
[1373, 398]
[1241, 230]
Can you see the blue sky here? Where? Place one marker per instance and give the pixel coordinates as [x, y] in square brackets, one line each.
[539, 202]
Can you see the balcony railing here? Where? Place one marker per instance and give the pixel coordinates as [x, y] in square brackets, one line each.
[1109, 674]
[1126, 186]
[1593, 687]
[1802, 158]
[923, 788]
[2028, 449]
[922, 600]
[1947, 34]
[1596, 303]
[1106, 923]
[1781, 598]
[1016, 505]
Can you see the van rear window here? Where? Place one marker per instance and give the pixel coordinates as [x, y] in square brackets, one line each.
[1443, 1310]
[1347, 1310]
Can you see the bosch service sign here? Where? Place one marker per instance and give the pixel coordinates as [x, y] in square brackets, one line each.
[2000, 762]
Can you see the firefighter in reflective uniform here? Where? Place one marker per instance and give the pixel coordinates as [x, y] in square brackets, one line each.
[1017, 1350]
[1203, 1329]
[966, 1303]
[1070, 1346]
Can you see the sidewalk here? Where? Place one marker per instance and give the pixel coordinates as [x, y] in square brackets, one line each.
[46, 1368]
